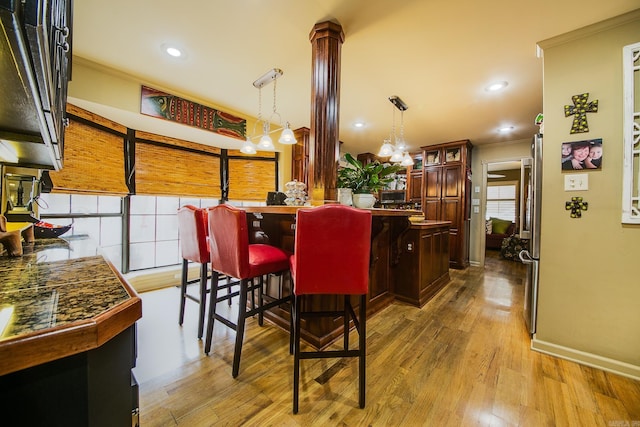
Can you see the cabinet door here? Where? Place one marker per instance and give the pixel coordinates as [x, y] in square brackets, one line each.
[432, 183]
[300, 156]
[455, 251]
[415, 187]
[452, 181]
[432, 193]
[431, 209]
[428, 261]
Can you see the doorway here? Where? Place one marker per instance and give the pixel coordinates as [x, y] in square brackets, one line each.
[504, 204]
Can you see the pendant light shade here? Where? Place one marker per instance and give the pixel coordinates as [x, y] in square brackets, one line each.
[386, 150]
[265, 143]
[396, 157]
[407, 160]
[287, 136]
[248, 147]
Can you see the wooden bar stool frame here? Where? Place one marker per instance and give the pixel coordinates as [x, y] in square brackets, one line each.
[334, 265]
[201, 230]
[247, 282]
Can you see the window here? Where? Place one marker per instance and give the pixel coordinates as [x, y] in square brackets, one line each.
[502, 200]
[154, 239]
[99, 217]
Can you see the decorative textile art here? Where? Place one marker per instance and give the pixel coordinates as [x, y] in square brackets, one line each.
[159, 104]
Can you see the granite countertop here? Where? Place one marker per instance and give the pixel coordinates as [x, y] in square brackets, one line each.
[57, 289]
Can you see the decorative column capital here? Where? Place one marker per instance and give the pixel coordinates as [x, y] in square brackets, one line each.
[327, 29]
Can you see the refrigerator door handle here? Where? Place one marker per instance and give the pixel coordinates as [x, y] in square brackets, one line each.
[525, 257]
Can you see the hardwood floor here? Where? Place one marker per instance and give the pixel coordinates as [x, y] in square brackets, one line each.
[461, 360]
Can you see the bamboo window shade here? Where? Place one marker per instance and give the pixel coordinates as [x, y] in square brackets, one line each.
[93, 156]
[172, 167]
[251, 178]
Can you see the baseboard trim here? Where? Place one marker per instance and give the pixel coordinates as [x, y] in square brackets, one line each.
[593, 360]
[159, 278]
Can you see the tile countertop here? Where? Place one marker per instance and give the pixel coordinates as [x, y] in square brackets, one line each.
[60, 298]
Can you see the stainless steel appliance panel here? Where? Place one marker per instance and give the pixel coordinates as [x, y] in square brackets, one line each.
[531, 257]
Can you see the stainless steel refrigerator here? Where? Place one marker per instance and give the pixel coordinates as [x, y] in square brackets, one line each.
[531, 180]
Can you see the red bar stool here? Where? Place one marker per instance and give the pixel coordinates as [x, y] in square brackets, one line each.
[231, 254]
[332, 252]
[192, 226]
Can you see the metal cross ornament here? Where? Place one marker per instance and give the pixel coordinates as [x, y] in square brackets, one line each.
[579, 110]
[576, 206]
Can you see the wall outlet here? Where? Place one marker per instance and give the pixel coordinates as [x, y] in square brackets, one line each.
[576, 182]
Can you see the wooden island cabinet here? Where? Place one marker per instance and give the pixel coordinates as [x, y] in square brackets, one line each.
[423, 262]
[396, 272]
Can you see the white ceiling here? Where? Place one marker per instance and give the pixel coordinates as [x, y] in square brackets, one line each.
[437, 55]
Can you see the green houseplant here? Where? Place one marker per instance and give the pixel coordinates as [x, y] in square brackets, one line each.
[365, 179]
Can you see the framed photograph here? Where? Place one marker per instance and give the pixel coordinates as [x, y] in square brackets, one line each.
[582, 155]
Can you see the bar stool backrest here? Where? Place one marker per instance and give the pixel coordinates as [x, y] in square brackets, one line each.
[192, 225]
[229, 240]
[332, 250]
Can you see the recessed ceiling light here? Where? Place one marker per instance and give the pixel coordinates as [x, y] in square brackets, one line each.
[358, 125]
[173, 51]
[494, 87]
[505, 129]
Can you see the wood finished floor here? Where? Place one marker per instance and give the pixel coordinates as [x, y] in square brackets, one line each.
[461, 360]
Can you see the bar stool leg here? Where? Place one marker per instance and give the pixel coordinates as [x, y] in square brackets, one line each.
[203, 297]
[291, 303]
[362, 332]
[347, 315]
[260, 299]
[183, 290]
[242, 315]
[212, 311]
[295, 312]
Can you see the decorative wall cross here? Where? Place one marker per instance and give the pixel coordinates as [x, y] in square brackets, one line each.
[579, 109]
[576, 206]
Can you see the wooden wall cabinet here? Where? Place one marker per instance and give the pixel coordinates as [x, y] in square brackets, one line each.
[447, 193]
[414, 180]
[300, 156]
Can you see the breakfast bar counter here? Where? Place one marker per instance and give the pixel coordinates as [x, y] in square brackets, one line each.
[404, 261]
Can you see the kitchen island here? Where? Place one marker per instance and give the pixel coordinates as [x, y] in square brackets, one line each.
[67, 343]
[406, 264]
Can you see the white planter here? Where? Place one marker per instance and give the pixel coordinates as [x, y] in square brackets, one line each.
[344, 196]
[363, 201]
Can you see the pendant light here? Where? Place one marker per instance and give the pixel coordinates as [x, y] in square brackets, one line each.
[397, 152]
[265, 142]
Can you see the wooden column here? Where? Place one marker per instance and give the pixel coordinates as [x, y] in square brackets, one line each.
[326, 42]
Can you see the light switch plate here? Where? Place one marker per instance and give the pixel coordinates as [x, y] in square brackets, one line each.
[475, 202]
[576, 182]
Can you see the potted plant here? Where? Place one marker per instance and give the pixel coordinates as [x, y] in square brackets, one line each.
[365, 180]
